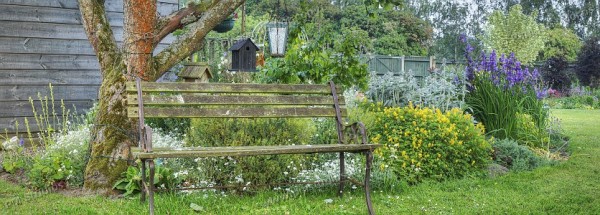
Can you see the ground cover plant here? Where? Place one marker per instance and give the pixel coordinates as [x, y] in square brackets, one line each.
[544, 190]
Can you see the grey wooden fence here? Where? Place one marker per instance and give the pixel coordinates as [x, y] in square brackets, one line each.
[43, 42]
[420, 66]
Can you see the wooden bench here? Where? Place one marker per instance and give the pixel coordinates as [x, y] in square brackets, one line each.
[217, 100]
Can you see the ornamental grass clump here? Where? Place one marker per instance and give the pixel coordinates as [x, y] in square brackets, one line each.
[500, 91]
[426, 143]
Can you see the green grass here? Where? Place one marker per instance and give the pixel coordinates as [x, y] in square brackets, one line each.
[571, 187]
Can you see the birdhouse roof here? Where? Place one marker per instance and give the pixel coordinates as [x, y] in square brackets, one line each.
[240, 43]
[195, 71]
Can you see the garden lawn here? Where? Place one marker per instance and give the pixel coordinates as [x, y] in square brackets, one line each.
[571, 187]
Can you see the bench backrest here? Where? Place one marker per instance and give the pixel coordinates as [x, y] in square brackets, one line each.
[218, 100]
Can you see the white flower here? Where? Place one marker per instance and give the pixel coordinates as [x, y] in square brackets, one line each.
[328, 201]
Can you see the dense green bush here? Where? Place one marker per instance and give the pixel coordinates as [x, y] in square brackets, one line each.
[250, 132]
[422, 143]
[510, 154]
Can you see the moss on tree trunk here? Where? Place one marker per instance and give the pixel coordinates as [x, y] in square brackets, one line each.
[112, 135]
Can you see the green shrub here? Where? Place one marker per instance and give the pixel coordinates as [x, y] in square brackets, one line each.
[422, 143]
[250, 132]
[510, 154]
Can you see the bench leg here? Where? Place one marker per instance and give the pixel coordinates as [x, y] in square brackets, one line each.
[342, 173]
[151, 186]
[144, 186]
[367, 177]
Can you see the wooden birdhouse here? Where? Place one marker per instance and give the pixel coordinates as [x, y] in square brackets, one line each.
[243, 55]
[195, 72]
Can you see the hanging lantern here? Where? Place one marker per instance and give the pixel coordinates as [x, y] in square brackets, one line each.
[278, 33]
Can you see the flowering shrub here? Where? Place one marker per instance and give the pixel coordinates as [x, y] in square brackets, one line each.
[63, 162]
[499, 89]
[421, 143]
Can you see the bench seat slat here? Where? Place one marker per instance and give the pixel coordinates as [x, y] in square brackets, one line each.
[249, 150]
[234, 112]
[232, 88]
[194, 99]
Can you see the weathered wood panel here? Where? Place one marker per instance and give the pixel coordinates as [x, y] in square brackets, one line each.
[24, 108]
[43, 77]
[23, 92]
[233, 88]
[49, 62]
[253, 150]
[179, 100]
[165, 7]
[54, 31]
[234, 112]
[29, 45]
[50, 15]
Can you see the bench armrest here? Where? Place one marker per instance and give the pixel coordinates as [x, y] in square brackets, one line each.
[352, 131]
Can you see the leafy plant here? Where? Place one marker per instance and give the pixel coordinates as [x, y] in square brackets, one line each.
[131, 181]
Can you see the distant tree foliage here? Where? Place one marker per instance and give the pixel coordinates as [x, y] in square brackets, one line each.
[516, 33]
[561, 42]
[554, 73]
[588, 63]
[452, 18]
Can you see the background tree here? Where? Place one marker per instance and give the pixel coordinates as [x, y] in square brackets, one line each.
[143, 29]
[562, 42]
[516, 33]
[588, 63]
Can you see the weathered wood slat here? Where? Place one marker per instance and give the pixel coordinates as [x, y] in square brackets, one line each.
[43, 77]
[164, 7]
[23, 108]
[23, 92]
[252, 150]
[191, 99]
[231, 88]
[49, 62]
[26, 45]
[50, 15]
[233, 112]
[55, 31]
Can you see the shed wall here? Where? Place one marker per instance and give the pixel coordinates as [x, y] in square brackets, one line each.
[42, 43]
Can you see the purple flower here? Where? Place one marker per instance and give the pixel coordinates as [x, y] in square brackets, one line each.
[21, 142]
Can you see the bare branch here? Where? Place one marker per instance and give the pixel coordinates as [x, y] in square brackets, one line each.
[99, 32]
[192, 40]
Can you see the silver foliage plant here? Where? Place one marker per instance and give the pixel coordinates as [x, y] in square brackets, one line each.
[442, 88]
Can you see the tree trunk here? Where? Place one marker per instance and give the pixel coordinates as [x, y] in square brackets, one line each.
[112, 134]
[113, 131]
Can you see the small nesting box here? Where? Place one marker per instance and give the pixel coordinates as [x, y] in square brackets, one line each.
[195, 72]
[243, 55]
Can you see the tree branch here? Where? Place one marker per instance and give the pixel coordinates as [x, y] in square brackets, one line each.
[192, 40]
[99, 33]
[179, 19]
